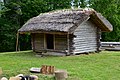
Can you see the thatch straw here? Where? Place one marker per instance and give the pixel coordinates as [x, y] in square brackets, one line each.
[63, 20]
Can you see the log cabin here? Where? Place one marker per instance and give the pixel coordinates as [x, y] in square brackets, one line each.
[68, 32]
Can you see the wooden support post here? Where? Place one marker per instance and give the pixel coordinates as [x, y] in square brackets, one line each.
[33, 41]
[17, 41]
[44, 41]
[68, 42]
[54, 41]
[98, 39]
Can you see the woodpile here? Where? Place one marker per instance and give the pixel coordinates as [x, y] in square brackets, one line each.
[59, 74]
[47, 69]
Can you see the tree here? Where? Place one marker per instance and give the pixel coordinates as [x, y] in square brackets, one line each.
[16, 12]
[8, 26]
[111, 10]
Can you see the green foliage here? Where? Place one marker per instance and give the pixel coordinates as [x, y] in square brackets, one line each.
[111, 10]
[9, 22]
[7, 35]
[15, 13]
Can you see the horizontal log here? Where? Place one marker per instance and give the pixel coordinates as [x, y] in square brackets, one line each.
[85, 43]
[85, 49]
[85, 37]
[75, 52]
[82, 47]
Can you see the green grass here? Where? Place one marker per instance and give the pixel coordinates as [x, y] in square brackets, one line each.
[98, 66]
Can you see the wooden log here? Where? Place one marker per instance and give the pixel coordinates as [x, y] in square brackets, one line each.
[61, 75]
[52, 69]
[47, 69]
[17, 42]
[43, 69]
[46, 72]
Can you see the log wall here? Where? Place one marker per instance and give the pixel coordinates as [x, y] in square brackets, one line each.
[85, 39]
[60, 42]
[38, 41]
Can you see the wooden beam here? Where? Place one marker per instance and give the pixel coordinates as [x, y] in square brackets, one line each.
[33, 41]
[98, 39]
[17, 41]
[68, 42]
[46, 32]
[44, 41]
[51, 50]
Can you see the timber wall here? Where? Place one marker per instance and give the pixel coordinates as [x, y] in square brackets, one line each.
[85, 39]
[39, 42]
[61, 42]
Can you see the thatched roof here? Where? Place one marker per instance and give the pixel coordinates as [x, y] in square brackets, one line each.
[64, 21]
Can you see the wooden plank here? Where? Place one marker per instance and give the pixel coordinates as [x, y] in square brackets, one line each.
[39, 41]
[61, 40]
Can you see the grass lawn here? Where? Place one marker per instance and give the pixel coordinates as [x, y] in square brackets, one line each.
[98, 66]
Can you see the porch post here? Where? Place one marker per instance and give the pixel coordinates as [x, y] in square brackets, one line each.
[44, 41]
[17, 41]
[68, 43]
[98, 39]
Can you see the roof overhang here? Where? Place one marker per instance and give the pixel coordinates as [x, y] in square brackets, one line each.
[64, 21]
[46, 32]
[101, 22]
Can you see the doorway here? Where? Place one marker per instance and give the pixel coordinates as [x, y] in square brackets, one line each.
[50, 41]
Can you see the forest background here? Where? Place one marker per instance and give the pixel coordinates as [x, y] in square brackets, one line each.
[14, 13]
